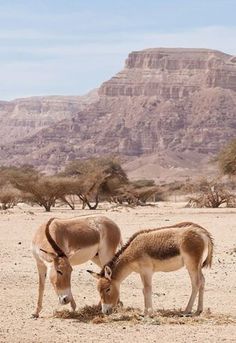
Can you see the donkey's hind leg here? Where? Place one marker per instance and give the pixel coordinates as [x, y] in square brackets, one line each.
[195, 277]
[201, 292]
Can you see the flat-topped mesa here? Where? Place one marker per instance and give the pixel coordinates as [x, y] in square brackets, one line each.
[172, 73]
[166, 114]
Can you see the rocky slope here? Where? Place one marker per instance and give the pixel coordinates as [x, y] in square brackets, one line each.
[26, 116]
[166, 113]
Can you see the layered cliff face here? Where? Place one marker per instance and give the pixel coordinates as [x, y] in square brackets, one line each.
[24, 117]
[172, 73]
[168, 109]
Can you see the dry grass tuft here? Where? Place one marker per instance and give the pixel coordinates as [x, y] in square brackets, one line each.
[85, 314]
[92, 314]
[176, 317]
[99, 320]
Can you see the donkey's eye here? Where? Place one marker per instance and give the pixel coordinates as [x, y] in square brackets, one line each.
[108, 290]
[59, 272]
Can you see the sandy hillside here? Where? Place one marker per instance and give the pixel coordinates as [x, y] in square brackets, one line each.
[18, 283]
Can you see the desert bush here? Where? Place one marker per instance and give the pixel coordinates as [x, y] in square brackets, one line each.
[212, 195]
[143, 183]
[131, 195]
[9, 197]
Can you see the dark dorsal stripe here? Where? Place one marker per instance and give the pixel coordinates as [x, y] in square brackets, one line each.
[164, 251]
[155, 254]
[53, 244]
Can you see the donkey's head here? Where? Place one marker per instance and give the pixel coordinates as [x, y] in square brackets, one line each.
[108, 289]
[60, 277]
[60, 271]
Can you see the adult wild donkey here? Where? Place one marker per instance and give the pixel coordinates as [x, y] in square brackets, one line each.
[165, 249]
[62, 243]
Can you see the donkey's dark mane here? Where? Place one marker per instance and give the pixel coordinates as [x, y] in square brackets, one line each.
[51, 241]
[113, 261]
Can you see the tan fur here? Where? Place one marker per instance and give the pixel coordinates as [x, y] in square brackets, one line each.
[163, 249]
[61, 243]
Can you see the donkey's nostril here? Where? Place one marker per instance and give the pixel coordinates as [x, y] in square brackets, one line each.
[108, 311]
[64, 299]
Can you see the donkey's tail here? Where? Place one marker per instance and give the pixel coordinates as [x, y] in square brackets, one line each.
[208, 261]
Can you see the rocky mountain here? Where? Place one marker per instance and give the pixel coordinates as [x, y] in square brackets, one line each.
[166, 114]
[24, 117]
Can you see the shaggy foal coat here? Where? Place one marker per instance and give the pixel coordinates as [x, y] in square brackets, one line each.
[164, 249]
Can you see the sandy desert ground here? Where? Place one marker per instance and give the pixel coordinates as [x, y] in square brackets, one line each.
[18, 283]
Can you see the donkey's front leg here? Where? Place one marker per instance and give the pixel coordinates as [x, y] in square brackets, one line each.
[42, 271]
[73, 304]
[147, 291]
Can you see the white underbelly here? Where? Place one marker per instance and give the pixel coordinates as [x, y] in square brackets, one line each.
[168, 265]
[83, 255]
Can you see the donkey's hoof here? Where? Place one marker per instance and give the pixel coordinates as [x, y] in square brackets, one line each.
[186, 314]
[73, 307]
[148, 312]
[34, 315]
[120, 304]
[197, 313]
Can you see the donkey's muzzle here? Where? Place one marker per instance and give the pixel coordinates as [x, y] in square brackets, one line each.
[64, 299]
[106, 308]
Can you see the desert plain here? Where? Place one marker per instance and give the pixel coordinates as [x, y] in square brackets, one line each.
[19, 283]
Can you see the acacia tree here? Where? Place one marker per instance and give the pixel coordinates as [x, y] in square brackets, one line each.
[43, 190]
[104, 178]
[97, 178]
[9, 197]
[69, 199]
[227, 159]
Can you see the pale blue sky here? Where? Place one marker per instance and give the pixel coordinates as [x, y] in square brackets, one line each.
[70, 47]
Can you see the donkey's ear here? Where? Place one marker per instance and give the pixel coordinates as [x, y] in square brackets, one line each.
[51, 254]
[108, 272]
[95, 275]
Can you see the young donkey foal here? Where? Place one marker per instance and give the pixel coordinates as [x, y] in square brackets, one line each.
[166, 249]
[62, 243]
